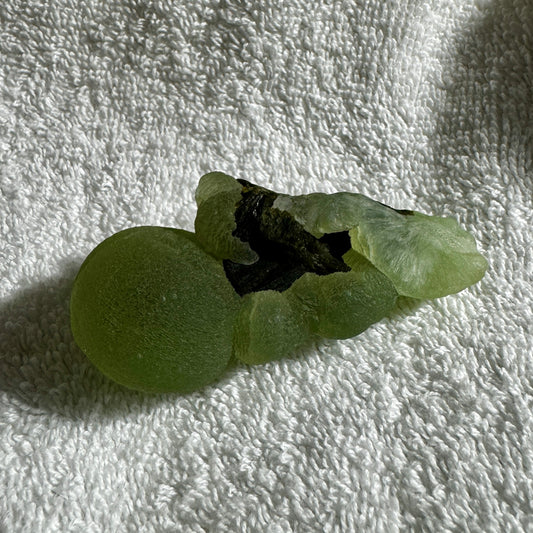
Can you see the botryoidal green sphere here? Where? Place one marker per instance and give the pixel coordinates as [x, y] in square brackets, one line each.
[153, 311]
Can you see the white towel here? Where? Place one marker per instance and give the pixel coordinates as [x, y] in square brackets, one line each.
[110, 111]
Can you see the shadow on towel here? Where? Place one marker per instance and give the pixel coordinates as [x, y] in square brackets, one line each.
[486, 120]
[40, 365]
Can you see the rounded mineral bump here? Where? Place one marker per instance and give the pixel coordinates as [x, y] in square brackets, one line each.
[153, 311]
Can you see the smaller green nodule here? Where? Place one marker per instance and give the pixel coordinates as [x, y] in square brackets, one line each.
[344, 304]
[216, 196]
[268, 327]
[163, 310]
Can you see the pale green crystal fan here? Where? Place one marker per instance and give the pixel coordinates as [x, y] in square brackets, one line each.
[391, 253]
[162, 309]
[424, 256]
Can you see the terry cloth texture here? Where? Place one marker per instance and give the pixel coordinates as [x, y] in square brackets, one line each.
[111, 110]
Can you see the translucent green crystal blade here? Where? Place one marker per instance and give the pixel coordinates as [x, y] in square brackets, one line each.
[424, 256]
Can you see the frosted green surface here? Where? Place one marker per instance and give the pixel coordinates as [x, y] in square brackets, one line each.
[217, 196]
[268, 327]
[153, 311]
[215, 183]
[423, 256]
[271, 325]
[344, 304]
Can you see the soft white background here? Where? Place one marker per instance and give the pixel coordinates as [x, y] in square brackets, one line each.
[111, 110]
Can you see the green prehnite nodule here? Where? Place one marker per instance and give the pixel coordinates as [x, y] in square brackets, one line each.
[163, 310]
[153, 311]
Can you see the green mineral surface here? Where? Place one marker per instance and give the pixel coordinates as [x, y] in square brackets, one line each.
[162, 309]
